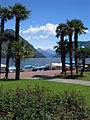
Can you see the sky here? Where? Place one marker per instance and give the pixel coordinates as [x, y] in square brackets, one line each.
[39, 28]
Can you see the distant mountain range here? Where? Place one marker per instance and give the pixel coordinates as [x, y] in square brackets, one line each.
[47, 52]
[35, 53]
[52, 53]
[38, 53]
[84, 43]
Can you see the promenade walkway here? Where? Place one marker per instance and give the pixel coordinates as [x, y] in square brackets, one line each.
[49, 75]
[72, 81]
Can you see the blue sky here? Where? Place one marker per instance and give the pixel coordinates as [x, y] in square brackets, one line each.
[39, 28]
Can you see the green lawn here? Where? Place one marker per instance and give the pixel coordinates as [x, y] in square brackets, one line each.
[86, 76]
[54, 86]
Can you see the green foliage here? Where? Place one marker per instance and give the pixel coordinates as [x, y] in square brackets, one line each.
[83, 53]
[5, 13]
[23, 49]
[10, 32]
[39, 104]
[20, 11]
[60, 46]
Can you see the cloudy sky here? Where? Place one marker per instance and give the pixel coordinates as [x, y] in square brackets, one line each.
[39, 28]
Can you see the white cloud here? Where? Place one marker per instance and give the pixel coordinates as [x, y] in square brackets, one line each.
[50, 47]
[43, 37]
[31, 30]
[39, 37]
[27, 38]
[35, 37]
[49, 29]
[45, 48]
[86, 31]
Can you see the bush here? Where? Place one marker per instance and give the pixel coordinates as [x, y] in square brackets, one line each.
[41, 104]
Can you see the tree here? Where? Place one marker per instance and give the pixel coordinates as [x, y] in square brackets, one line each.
[21, 48]
[5, 14]
[61, 32]
[21, 13]
[62, 45]
[70, 33]
[9, 39]
[78, 28]
[83, 53]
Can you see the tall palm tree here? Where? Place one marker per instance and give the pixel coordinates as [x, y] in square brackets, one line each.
[58, 50]
[9, 39]
[78, 28]
[5, 14]
[21, 13]
[61, 32]
[70, 33]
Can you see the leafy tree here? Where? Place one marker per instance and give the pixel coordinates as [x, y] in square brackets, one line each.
[21, 13]
[78, 28]
[83, 53]
[61, 32]
[5, 14]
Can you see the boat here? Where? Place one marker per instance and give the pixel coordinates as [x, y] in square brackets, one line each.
[12, 69]
[28, 66]
[3, 68]
[35, 68]
[68, 62]
[58, 65]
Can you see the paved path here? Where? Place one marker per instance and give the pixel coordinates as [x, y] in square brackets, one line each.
[47, 75]
[73, 81]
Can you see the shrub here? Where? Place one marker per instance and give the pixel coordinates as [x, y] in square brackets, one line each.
[41, 104]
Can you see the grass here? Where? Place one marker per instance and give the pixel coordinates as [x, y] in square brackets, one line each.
[54, 86]
[86, 76]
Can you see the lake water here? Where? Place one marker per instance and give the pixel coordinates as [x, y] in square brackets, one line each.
[37, 61]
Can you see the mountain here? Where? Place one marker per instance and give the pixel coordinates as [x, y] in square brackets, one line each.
[52, 53]
[47, 52]
[84, 43]
[35, 53]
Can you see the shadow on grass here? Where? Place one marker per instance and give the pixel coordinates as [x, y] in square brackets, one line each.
[44, 77]
[69, 76]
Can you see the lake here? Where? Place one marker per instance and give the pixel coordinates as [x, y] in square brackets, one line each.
[37, 61]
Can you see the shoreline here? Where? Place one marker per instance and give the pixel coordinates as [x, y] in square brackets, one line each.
[34, 74]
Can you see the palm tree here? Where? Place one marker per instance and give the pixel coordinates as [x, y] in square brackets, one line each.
[58, 49]
[21, 13]
[61, 32]
[9, 39]
[83, 53]
[78, 29]
[5, 14]
[70, 33]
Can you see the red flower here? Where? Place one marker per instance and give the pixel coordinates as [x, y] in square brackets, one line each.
[2, 114]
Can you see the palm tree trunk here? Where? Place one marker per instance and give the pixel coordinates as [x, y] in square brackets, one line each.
[76, 46]
[64, 56]
[82, 70]
[18, 57]
[2, 31]
[0, 58]
[7, 66]
[7, 60]
[70, 41]
[62, 53]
